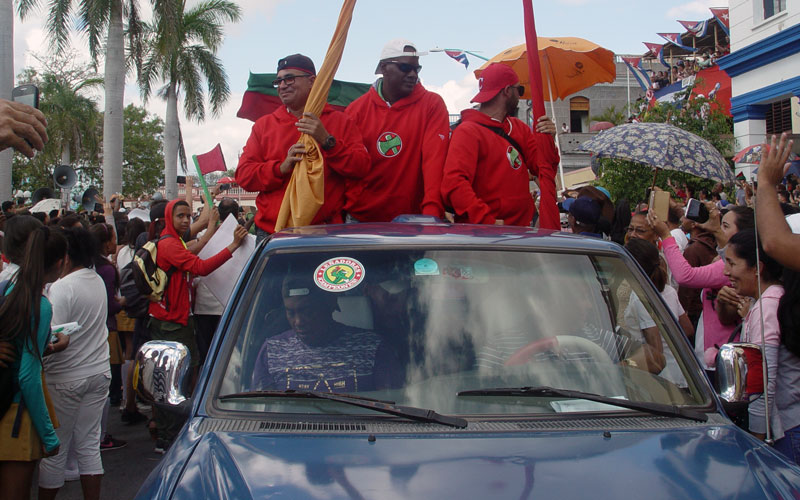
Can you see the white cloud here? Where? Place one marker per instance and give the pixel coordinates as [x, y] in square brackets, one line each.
[456, 94]
[696, 10]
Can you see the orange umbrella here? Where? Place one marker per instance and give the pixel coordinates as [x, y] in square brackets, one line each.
[569, 65]
[305, 193]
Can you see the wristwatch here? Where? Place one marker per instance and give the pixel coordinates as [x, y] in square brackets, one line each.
[329, 143]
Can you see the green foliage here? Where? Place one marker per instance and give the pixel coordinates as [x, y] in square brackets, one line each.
[143, 155]
[611, 115]
[701, 116]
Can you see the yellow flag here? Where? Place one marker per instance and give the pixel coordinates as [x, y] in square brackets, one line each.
[305, 193]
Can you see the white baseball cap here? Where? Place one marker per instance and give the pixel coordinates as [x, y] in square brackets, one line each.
[396, 48]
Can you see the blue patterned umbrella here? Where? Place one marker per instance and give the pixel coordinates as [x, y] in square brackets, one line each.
[661, 145]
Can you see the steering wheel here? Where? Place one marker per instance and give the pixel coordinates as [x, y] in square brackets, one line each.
[558, 344]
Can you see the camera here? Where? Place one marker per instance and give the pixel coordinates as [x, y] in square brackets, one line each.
[696, 211]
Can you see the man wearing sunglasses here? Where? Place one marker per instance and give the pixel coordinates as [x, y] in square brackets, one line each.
[274, 148]
[486, 176]
[405, 129]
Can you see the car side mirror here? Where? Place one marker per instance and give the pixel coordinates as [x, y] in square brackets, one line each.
[740, 373]
[161, 373]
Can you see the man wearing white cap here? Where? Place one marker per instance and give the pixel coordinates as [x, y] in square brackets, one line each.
[492, 153]
[405, 129]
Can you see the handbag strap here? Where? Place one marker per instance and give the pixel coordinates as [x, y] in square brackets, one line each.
[18, 419]
[502, 133]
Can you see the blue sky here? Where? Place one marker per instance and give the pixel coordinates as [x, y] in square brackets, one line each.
[271, 29]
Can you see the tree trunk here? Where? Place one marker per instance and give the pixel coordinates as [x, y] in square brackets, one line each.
[115, 95]
[6, 84]
[171, 144]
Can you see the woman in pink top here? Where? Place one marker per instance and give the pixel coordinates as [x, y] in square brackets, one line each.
[711, 277]
[761, 324]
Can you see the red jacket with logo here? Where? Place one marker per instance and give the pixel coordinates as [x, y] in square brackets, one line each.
[175, 304]
[269, 142]
[407, 144]
[485, 177]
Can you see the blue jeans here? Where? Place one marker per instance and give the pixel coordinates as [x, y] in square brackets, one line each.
[789, 444]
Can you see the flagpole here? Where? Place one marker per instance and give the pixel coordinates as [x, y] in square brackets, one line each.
[553, 112]
[202, 181]
[628, 82]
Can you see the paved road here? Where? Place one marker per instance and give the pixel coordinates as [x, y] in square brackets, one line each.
[125, 468]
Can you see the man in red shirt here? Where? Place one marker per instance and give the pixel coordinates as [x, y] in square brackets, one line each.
[273, 149]
[491, 153]
[405, 129]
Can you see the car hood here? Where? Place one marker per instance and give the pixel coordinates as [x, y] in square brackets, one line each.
[702, 462]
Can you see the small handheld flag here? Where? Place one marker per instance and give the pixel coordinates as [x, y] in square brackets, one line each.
[459, 56]
[213, 161]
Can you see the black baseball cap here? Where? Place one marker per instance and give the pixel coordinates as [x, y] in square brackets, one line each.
[297, 61]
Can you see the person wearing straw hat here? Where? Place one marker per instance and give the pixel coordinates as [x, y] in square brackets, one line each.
[486, 175]
[405, 129]
[273, 149]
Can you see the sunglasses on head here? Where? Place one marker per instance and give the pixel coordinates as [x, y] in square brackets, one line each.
[288, 79]
[405, 67]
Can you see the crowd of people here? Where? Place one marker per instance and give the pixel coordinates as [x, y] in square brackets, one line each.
[392, 152]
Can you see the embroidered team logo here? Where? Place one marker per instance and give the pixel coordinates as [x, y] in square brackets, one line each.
[339, 274]
[513, 157]
[389, 144]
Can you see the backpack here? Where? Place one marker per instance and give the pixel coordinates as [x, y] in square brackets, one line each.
[135, 303]
[150, 280]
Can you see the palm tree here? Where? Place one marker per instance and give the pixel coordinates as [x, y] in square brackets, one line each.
[6, 83]
[181, 52]
[95, 17]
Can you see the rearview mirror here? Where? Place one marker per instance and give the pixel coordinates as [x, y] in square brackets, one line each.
[161, 373]
[740, 373]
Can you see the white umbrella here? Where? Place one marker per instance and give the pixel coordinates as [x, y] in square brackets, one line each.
[47, 206]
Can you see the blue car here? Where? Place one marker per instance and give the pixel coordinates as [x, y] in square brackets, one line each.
[429, 360]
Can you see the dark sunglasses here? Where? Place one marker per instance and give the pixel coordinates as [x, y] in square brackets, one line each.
[405, 67]
[520, 89]
[288, 79]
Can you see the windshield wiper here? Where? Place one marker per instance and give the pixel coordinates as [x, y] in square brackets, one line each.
[549, 392]
[410, 412]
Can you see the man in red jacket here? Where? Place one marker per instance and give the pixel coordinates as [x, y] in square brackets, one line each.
[405, 129]
[273, 149]
[491, 153]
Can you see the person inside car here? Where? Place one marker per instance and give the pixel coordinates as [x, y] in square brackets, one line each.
[318, 353]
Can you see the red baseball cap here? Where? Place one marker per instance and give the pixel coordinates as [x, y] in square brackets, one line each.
[494, 78]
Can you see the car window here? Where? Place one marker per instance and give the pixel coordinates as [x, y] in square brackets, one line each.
[417, 326]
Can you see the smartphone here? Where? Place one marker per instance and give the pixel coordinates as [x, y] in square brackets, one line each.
[696, 210]
[26, 94]
[659, 204]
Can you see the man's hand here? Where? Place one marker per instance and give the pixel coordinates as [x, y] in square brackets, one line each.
[292, 158]
[773, 165]
[238, 237]
[545, 125]
[214, 218]
[19, 122]
[7, 354]
[311, 125]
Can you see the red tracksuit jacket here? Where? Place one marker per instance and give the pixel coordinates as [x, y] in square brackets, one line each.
[485, 178]
[407, 144]
[172, 253]
[270, 140]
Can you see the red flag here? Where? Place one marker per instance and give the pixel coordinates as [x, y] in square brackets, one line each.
[549, 217]
[534, 67]
[722, 15]
[213, 161]
[654, 48]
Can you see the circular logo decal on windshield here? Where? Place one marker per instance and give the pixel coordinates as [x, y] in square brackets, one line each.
[389, 144]
[339, 274]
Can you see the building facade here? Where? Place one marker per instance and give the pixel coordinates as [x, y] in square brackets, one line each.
[764, 66]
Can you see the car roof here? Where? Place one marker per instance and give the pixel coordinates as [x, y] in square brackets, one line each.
[416, 234]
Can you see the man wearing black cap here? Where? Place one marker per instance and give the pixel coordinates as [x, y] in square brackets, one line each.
[491, 153]
[273, 149]
[405, 129]
[584, 213]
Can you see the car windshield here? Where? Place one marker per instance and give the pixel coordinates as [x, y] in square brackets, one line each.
[418, 326]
